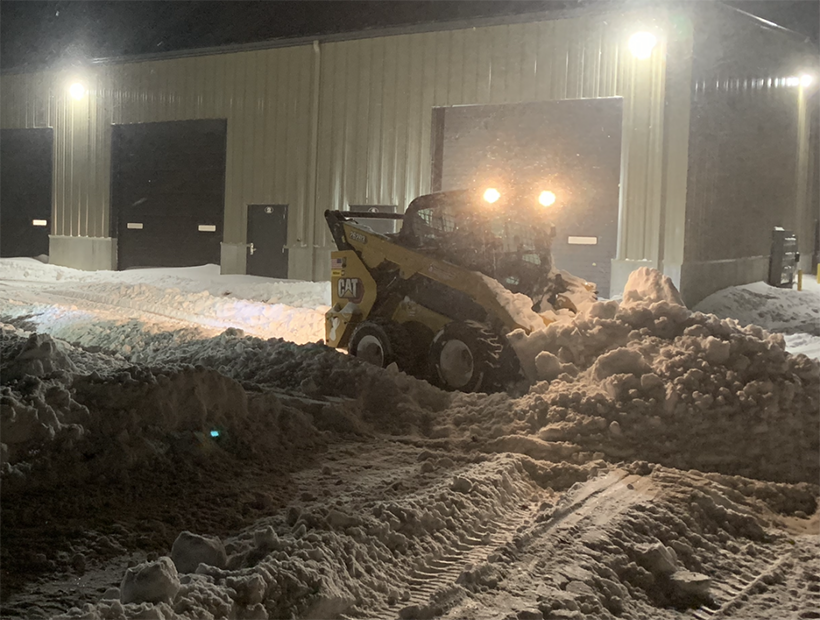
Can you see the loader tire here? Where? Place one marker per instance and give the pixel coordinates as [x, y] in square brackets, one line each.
[381, 342]
[466, 356]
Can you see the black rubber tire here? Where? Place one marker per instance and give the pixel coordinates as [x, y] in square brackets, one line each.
[391, 337]
[470, 339]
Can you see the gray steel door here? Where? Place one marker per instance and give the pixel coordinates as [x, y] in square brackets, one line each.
[572, 148]
[25, 191]
[268, 240]
[168, 192]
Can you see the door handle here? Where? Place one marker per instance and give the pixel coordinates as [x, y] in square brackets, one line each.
[251, 248]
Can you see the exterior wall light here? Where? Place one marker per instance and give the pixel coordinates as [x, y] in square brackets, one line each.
[806, 80]
[547, 199]
[77, 90]
[793, 81]
[641, 44]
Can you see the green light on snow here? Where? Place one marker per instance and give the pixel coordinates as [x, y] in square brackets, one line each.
[214, 433]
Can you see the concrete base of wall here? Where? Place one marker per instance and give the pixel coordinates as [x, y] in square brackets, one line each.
[233, 258]
[304, 263]
[88, 253]
[701, 279]
[621, 268]
[300, 263]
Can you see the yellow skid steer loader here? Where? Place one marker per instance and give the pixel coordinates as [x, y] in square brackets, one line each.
[427, 297]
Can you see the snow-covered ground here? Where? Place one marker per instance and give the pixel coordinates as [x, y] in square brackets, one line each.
[110, 309]
[661, 464]
[788, 311]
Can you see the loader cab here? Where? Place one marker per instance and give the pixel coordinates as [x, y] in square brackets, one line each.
[506, 237]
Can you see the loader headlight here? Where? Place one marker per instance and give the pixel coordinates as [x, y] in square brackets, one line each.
[547, 199]
[492, 195]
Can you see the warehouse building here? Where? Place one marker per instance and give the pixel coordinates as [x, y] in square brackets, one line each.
[673, 138]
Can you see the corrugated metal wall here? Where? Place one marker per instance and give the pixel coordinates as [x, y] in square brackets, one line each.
[375, 99]
[26, 100]
[748, 150]
[264, 95]
[378, 95]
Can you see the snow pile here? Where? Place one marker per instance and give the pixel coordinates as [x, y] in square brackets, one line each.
[575, 295]
[59, 426]
[781, 310]
[788, 311]
[650, 379]
[517, 305]
[646, 286]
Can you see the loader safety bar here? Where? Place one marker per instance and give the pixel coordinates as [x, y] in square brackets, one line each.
[336, 218]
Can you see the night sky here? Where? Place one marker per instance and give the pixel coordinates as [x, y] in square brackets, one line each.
[37, 34]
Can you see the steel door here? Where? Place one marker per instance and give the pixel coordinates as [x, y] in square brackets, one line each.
[25, 199]
[268, 240]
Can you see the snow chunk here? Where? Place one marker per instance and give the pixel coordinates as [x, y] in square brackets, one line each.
[191, 550]
[150, 582]
[518, 305]
[40, 356]
[647, 285]
[620, 361]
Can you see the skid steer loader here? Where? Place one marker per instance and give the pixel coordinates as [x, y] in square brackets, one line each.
[427, 297]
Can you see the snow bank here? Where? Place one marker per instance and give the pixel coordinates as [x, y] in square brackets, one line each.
[205, 278]
[777, 309]
[114, 310]
[650, 379]
[59, 424]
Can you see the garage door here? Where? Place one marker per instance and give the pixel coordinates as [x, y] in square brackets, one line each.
[572, 148]
[167, 193]
[25, 191]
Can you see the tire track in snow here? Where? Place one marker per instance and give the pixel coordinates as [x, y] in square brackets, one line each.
[437, 577]
[745, 581]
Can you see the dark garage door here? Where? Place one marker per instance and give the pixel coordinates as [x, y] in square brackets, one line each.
[572, 148]
[167, 193]
[25, 191]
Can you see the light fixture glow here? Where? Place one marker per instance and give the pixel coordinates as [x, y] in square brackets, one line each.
[641, 44]
[792, 81]
[547, 199]
[806, 80]
[77, 90]
[214, 433]
[492, 195]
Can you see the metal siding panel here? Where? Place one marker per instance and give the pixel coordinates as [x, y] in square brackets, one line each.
[529, 50]
[455, 74]
[422, 163]
[469, 67]
[361, 160]
[484, 67]
[498, 64]
[390, 98]
[375, 186]
[441, 67]
[575, 60]
[514, 57]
